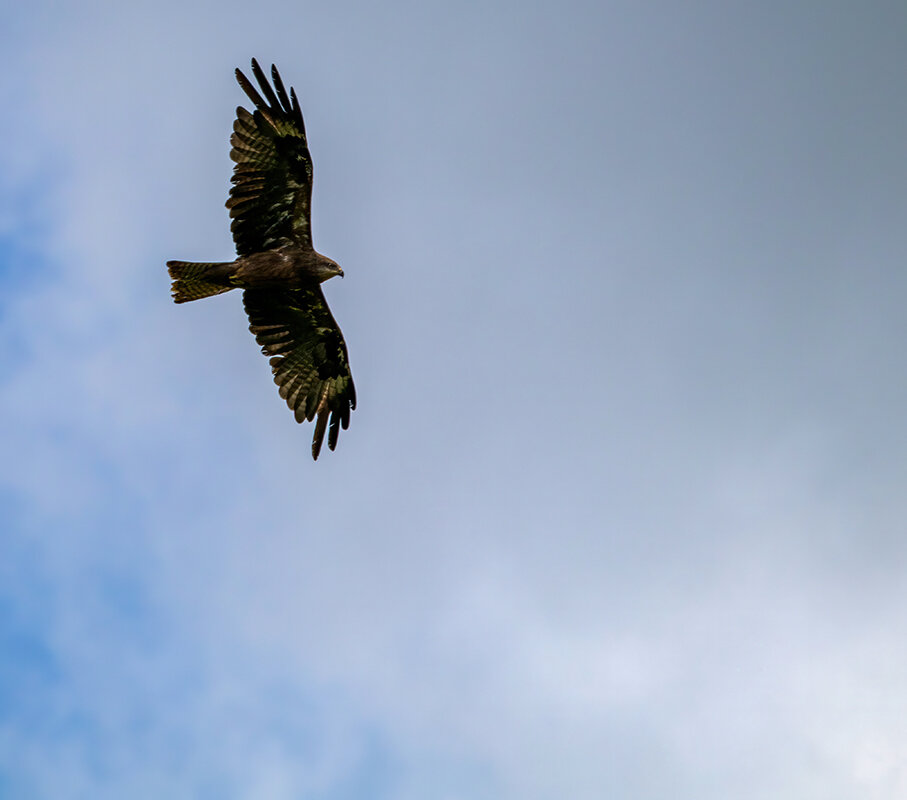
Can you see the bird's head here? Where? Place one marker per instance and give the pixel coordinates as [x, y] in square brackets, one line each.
[327, 268]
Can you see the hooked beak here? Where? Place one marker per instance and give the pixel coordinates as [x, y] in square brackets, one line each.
[341, 273]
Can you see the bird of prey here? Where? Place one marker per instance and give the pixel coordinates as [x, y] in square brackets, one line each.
[277, 266]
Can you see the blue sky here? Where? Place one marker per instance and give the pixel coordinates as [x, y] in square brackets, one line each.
[621, 511]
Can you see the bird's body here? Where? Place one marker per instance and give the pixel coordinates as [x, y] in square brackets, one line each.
[277, 266]
[287, 267]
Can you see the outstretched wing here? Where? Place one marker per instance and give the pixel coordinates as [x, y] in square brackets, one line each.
[270, 201]
[296, 328]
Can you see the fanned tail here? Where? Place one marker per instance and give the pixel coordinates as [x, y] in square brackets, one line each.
[195, 280]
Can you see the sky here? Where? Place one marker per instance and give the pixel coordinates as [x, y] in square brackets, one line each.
[621, 511]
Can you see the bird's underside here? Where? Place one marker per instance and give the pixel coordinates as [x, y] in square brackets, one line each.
[277, 267]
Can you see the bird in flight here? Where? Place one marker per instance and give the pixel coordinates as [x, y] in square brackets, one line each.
[277, 267]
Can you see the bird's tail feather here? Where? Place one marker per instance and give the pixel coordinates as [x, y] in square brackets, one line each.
[193, 280]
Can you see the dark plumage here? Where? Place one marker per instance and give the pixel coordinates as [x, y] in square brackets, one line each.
[276, 265]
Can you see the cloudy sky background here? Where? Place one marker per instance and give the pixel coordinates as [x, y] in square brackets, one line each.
[622, 511]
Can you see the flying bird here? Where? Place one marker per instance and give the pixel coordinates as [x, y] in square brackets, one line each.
[277, 267]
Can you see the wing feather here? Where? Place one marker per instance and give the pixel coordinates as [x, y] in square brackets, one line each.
[270, 201]
[308, 357]
[279, 88]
